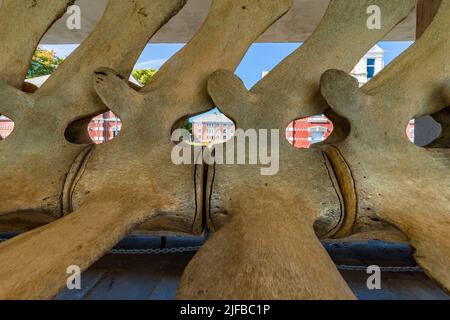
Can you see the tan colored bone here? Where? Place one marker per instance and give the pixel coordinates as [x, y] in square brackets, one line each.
[404, 184]
[167, 98]
[16, 52]
[146, 182]
[443, 117]
[36, 158]
[30, 19]
[268, 250]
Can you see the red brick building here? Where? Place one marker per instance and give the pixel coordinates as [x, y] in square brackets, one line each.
[410, 130]
[303, 133]
[6, 126]
[104, 127]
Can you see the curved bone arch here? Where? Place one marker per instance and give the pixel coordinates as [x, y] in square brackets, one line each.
[404, 184]
[269, 248]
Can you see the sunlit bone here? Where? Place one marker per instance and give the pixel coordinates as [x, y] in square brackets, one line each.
[268, 250]
[23, 25]
[146, 182]
[403, 184]
[16, 52]
[35, 160]
[178, 89]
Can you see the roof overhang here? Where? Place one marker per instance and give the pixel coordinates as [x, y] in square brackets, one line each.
[296, 26]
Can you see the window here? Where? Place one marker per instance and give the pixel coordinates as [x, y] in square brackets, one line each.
[317, 136]
[318, 129]
[370, 68]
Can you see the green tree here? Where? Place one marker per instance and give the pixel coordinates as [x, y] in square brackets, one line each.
[144, 75]
[43, 63]
[187, 125]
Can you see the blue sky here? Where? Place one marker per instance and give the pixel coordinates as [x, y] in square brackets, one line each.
[260, 57]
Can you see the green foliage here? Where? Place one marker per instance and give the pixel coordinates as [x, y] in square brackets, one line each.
[187, 125]
[44, 62]
[143, 76]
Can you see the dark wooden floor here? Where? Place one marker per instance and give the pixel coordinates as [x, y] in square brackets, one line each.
[156, 277]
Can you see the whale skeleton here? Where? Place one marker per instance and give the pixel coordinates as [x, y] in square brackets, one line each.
[269, 247]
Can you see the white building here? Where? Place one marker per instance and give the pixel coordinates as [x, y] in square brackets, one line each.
[369, 66]
[212, 128]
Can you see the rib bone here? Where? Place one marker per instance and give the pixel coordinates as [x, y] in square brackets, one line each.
[269, 250]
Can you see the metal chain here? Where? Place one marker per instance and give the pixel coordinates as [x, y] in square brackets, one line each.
[195, 249]
[155, 251]
[148, 251]
[383, 269]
